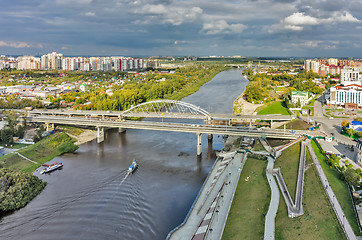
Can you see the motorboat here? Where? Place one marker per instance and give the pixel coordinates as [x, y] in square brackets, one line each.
[132, 167]
[52, 167]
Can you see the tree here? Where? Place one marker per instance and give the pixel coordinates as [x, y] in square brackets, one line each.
[345, 123]
[350, 132]
[359, 134]
[351, 177]
[7, 136]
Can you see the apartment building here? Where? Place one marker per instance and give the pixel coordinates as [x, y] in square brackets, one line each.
[51, 61]
[28, 63]
[351, 75]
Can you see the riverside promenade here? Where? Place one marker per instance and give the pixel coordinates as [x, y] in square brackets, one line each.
[332, 198]
[207, 216]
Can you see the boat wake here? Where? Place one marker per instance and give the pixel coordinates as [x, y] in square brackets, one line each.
[124, 179]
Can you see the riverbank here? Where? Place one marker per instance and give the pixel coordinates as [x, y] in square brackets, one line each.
[18, 185]
[241, 106]
[86, 136]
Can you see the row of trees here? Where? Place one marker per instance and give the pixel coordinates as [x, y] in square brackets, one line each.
[152, 86]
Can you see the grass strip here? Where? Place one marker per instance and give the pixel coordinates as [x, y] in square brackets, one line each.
[340, 189]
[289, 165]
[250, 204]
[318, 221]
[272, 108]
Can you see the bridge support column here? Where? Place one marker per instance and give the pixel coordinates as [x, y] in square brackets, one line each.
[209, 137]
[100, 135]
[49, 126]
[121, 130]
[199, 143]
[285, 126]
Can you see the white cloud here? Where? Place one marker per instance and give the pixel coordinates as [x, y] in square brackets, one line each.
[89, 14]
[15, 44]
[342, 17]
[298, 20]
[222, 27]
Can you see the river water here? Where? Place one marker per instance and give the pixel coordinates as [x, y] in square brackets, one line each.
[90, 198]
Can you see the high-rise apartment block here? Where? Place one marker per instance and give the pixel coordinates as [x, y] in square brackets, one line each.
[28, 63]
[51, 61]
[55, 61]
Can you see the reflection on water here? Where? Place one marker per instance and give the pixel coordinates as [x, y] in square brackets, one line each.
[88, 198]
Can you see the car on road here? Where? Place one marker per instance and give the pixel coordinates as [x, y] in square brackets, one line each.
[331, 118]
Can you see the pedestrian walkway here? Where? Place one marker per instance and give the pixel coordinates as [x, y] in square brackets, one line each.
[269, 231]
[26, 158]
[332, 198]
[295, 208]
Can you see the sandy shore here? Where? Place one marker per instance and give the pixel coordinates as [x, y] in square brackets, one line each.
[86, 136]
[245, 108]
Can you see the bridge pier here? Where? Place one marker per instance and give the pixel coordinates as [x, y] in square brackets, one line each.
[199, 143]
[100, 135]
[121, 130]
[209, 137]
[49, 126]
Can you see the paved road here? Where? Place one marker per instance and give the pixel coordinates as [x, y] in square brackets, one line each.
[332, 198]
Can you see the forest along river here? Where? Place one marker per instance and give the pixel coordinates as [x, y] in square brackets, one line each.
[88, 200]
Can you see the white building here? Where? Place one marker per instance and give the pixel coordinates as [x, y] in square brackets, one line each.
[83, 87]
[299, 96]
[310, 64]
[28, 63]
[351, 75]
[349, 96]
[51, 61]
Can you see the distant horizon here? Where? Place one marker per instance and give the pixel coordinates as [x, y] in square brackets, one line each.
[181, 56]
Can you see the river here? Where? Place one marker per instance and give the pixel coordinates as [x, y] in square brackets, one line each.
[90, 199]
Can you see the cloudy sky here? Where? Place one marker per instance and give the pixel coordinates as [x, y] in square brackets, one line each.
[305, 28]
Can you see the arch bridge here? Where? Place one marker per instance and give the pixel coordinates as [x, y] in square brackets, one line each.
[154, 109]
[168, 109]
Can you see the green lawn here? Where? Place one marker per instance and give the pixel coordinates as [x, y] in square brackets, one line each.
[318, 221]
[340, 189]
[272, 108]
[72, 130]
[289, 164]
[258, 146]
[251, 201]
[41, 152]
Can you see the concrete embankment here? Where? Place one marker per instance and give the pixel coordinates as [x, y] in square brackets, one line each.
[207, 216]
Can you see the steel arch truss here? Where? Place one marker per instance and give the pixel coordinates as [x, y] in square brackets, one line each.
[169, 106]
